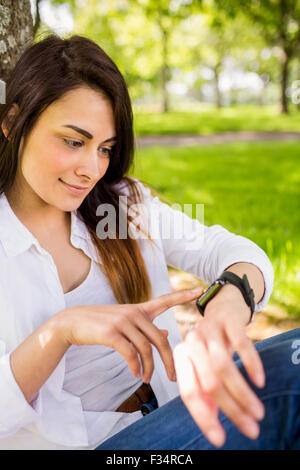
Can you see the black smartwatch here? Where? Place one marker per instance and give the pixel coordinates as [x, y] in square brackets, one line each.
[227, 277]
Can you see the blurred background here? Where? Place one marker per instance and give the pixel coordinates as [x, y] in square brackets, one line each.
[215, 86]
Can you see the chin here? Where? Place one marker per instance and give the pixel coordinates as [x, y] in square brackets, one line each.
[70, 207]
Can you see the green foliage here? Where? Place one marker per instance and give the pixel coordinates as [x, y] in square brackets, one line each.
[73, 3]
[154, 42]
[128, 37]
[279, 21]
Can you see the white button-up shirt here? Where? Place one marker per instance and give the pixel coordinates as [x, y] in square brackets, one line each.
[31, 292]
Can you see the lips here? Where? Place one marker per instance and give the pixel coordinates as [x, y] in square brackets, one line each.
[73, 186]
[74, 189]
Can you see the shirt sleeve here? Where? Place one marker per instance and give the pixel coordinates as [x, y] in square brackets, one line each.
[205, 251]
[15, 411]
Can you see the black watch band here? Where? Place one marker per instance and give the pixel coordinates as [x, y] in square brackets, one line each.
[228, 277]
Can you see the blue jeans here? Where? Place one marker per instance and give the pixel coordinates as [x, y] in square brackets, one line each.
[171, 427]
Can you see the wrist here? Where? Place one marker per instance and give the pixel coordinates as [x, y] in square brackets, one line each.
[61, 325]
[34, 360]
[229, 291]
[223, 302]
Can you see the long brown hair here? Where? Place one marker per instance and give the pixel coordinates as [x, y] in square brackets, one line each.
[43, 74]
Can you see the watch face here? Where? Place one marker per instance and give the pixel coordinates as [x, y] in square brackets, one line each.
[209, 294]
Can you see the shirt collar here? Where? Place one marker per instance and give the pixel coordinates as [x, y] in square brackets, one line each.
[16, 238]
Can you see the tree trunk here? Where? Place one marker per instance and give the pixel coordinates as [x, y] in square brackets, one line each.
[218, 96]
[165, 72]
[298, 93]
[261, 98]
[37, 21]
[16, 33]
[284, 82]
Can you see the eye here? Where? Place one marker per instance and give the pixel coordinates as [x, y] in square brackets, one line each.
[71, 142]
[107, 151]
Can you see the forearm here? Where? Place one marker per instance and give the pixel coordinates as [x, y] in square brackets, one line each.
[34, 360]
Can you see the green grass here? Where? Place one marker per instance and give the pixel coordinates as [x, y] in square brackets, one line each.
[252, 189]
[210, 120]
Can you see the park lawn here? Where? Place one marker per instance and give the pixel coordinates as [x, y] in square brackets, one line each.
[252, 189]
[210, 121]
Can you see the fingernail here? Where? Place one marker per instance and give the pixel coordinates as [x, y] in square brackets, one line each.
[216, 437]
[174, 377]
[251, 429]
[197, 290]
[258, 411]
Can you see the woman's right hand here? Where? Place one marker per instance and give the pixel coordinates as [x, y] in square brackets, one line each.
[127, 328]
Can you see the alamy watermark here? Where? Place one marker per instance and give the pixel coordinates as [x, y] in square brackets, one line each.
[2, 92]
[138, 220]
[296, 354]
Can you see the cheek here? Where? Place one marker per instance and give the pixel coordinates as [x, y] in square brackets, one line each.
[106, 165]
[57, 160]
[44, 162]
[103, 166]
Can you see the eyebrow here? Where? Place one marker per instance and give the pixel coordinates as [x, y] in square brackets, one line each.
[87, 134]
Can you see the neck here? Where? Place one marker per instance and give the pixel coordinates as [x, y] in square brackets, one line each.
[32, 210]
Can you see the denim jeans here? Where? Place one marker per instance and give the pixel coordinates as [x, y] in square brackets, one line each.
[171, 427]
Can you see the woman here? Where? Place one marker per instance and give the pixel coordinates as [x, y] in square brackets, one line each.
[81, 297]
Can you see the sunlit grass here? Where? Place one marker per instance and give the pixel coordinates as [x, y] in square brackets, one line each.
[252, 189]
[210, 120]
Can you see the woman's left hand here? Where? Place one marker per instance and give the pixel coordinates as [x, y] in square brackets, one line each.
[207, 376]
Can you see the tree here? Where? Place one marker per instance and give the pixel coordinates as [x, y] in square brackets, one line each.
[126, 35]
[166, 14]
[16, 32]
[279, 22]
[220, 43]
[37, 21]
[136, 34]
[210, 44]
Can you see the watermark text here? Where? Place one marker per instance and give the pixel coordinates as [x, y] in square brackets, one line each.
[296, 353]
[137, 221]
[2, 92]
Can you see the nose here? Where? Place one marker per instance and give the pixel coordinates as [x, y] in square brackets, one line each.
[92, 166]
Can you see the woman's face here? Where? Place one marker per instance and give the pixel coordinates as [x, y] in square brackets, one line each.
[55, 155]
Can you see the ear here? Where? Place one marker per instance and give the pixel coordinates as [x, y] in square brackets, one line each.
[10, 118]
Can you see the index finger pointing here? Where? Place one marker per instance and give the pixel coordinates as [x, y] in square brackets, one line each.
[155, 307]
